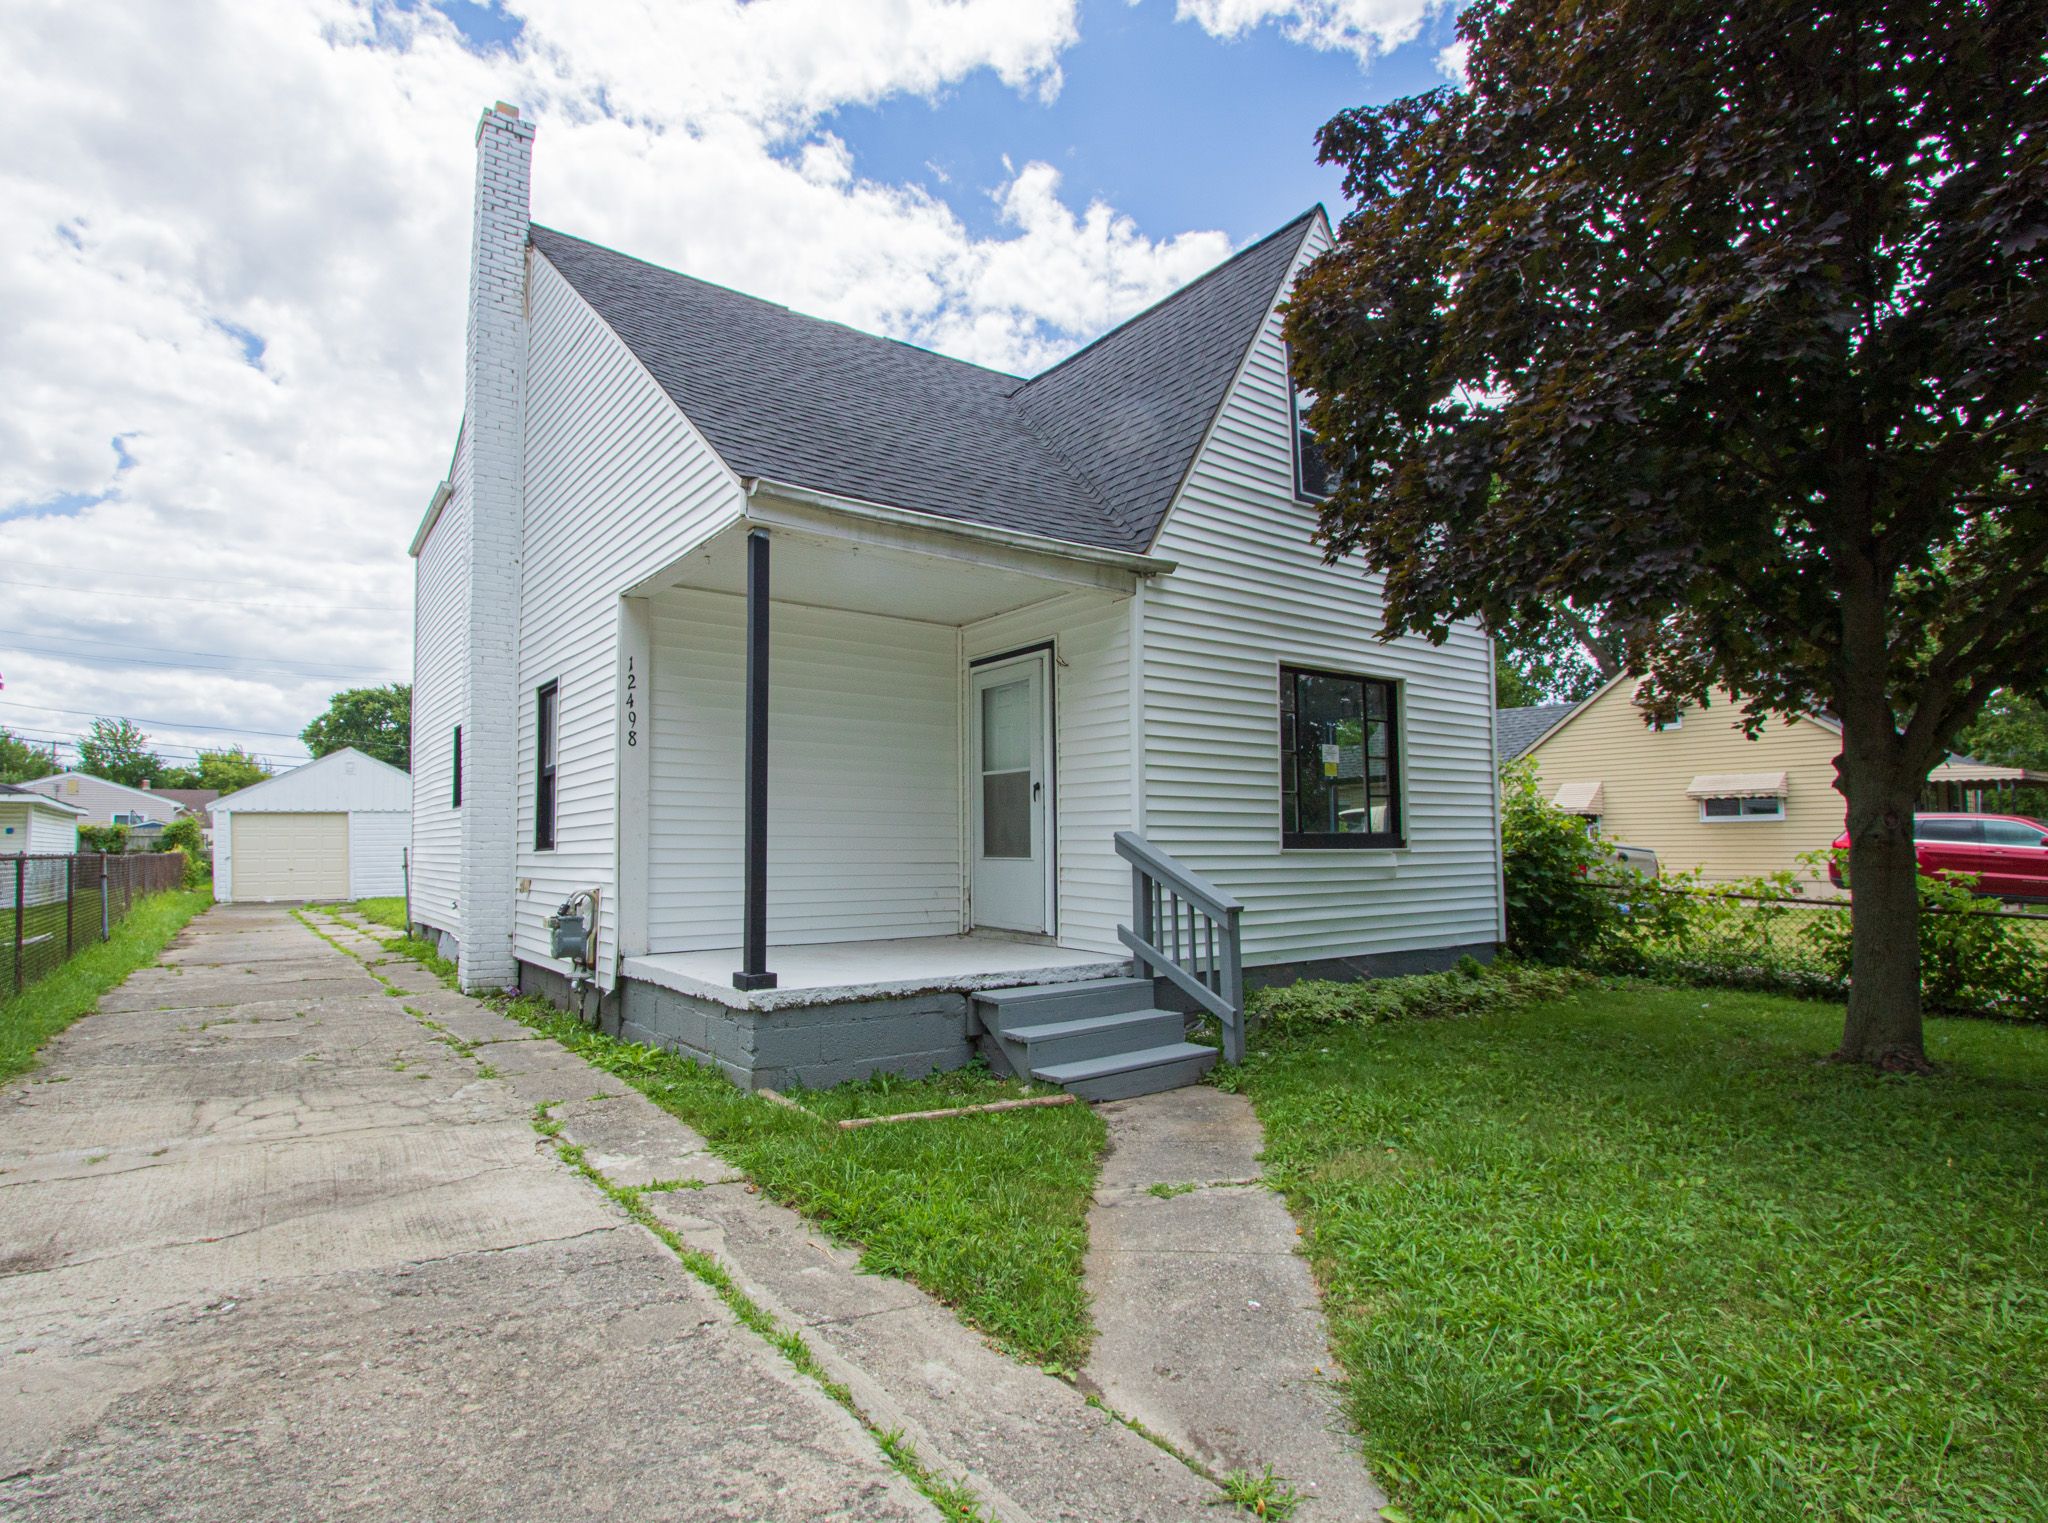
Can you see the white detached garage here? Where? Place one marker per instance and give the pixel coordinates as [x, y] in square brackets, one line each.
[336, 828]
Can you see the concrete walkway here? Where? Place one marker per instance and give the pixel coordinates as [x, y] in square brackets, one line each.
[278, 1238]
[1211, 1332]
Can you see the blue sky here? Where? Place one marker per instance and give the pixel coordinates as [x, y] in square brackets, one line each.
[1166, 123]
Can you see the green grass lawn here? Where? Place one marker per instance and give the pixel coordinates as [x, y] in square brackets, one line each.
[988, 1213]
[43, 1009]
[385, 912]
[1637, 1254]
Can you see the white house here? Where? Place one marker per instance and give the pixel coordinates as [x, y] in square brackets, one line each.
[881, 705]
[336, 828]
[32, 822]
[100, 802]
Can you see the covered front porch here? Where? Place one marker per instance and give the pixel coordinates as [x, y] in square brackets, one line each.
[870, 755]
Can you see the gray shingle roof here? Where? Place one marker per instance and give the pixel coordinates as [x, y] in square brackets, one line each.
[1516, 730]
[1092, 451]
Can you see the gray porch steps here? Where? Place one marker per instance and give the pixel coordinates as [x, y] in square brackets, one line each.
[1102, 1039]
[1124, 1074]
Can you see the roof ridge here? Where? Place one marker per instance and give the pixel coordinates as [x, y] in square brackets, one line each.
[1171, 297]
[778, 306]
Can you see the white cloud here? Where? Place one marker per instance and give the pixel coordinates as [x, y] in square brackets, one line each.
[237, 239]
[1366, 28]
[1451, 61]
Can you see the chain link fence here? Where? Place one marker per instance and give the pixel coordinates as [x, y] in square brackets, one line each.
[54, 907]
[1978, 957]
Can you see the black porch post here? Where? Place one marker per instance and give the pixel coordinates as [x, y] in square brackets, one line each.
[753, 973]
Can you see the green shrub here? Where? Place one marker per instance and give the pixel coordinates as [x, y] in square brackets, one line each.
[183, 834]
[1467, 989]
[109, 839]
[1972, 959]
[1558, 909]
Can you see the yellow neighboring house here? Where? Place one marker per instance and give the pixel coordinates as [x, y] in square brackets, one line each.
[1699, 792]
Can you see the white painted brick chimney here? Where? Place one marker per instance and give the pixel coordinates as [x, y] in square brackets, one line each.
[494, 405]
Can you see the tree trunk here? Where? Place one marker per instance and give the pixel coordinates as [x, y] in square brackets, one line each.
[1883, 1023]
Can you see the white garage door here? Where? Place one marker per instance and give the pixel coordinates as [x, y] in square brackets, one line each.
[290, 856]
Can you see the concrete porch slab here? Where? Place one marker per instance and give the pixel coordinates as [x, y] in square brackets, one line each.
[840, 972]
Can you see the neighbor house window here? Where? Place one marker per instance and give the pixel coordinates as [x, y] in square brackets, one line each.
[1742, 809]
[455, 793]
[544, 753]
[1339, 760]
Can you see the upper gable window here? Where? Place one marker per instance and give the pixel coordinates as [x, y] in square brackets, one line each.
[1312, 475]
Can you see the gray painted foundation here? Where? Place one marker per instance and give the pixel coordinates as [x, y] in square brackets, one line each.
[815, 1046]
[444, 942]
[809, 1046]
[1346, 970]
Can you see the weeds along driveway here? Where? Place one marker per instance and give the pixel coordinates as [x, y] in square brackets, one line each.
[269, 1248]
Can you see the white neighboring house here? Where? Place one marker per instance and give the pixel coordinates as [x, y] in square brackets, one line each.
[144, 811]
[336, 828]
[31, 822]
[995, 622]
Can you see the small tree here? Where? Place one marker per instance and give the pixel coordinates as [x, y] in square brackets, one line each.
[1730, 325]
[226, 771]
[377, 721]
[117, 750]
[184, 835]
[20, 762]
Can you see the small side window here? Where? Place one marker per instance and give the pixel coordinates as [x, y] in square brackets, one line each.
[455, 798]
[1312, 476]
[544, 753]
[1769, 808]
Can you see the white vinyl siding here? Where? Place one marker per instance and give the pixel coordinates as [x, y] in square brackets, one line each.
[618, 485]
[102, 800]
[439, 704]
[376, 853]
[1092, 753]
[863, 775]
[1249, 595]
[27, 830]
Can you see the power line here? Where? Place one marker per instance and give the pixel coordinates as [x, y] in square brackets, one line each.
[168, 724]
[219, 655]
[249, 669]
[169, 749]
[168, 597]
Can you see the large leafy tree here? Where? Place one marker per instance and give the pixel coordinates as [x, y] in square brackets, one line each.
[1728, 321]
[375, 720]
[20, 761]
[118, 750]
[224, 771]
[1554, 658]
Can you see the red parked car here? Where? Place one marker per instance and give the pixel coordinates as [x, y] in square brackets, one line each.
[2006, 853]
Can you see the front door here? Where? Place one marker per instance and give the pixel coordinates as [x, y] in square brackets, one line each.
[1010, 788]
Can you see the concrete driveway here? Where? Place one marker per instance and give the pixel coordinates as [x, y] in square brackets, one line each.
[270, 1249]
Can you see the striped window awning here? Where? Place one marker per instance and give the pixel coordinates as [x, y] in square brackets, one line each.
[1579, 798]
[1739, 785]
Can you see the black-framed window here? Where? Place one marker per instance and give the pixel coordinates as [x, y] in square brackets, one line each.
[455, 791]
[1340, 760]
[544, 728]
[1312, 477]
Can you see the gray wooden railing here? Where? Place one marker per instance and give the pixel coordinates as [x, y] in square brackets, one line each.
[1185, 930]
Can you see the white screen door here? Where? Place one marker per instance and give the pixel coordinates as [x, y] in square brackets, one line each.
[1010, 792]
